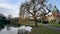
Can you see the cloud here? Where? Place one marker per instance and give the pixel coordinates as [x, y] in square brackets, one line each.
[1, 1]
[10, 8]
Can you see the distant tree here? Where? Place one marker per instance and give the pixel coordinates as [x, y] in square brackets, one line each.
[35, 8]
[9, 19]
[3, 21]
[15, 21]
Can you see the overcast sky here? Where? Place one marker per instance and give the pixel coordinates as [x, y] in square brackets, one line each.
[11, 7]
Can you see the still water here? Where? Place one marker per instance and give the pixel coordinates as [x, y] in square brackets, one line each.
[14, 30]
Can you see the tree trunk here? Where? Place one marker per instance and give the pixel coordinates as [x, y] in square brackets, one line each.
[35, 20]
[36, 23]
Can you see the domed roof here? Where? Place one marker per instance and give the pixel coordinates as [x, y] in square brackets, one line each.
[55, 9]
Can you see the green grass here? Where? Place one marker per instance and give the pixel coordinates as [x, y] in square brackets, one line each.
[55, 24]
[32, 24]
[41, 29]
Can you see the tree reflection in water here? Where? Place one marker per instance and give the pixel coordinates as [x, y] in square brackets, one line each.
[16, 30]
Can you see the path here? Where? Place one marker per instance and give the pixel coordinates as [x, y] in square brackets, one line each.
[52, 27]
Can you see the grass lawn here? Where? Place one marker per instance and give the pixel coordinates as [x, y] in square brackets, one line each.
[55, 24]
[41, 29]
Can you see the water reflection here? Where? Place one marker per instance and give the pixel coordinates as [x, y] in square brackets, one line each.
[10, 30]
[24, 30]
[15, 30]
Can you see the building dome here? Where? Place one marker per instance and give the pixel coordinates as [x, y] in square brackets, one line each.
[55, 10]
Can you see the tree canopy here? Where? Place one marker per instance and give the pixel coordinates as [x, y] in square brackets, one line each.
[35, 8]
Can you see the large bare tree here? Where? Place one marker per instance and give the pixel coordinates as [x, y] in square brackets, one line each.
[35, 8]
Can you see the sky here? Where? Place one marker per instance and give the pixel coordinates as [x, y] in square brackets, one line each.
[11, 7]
